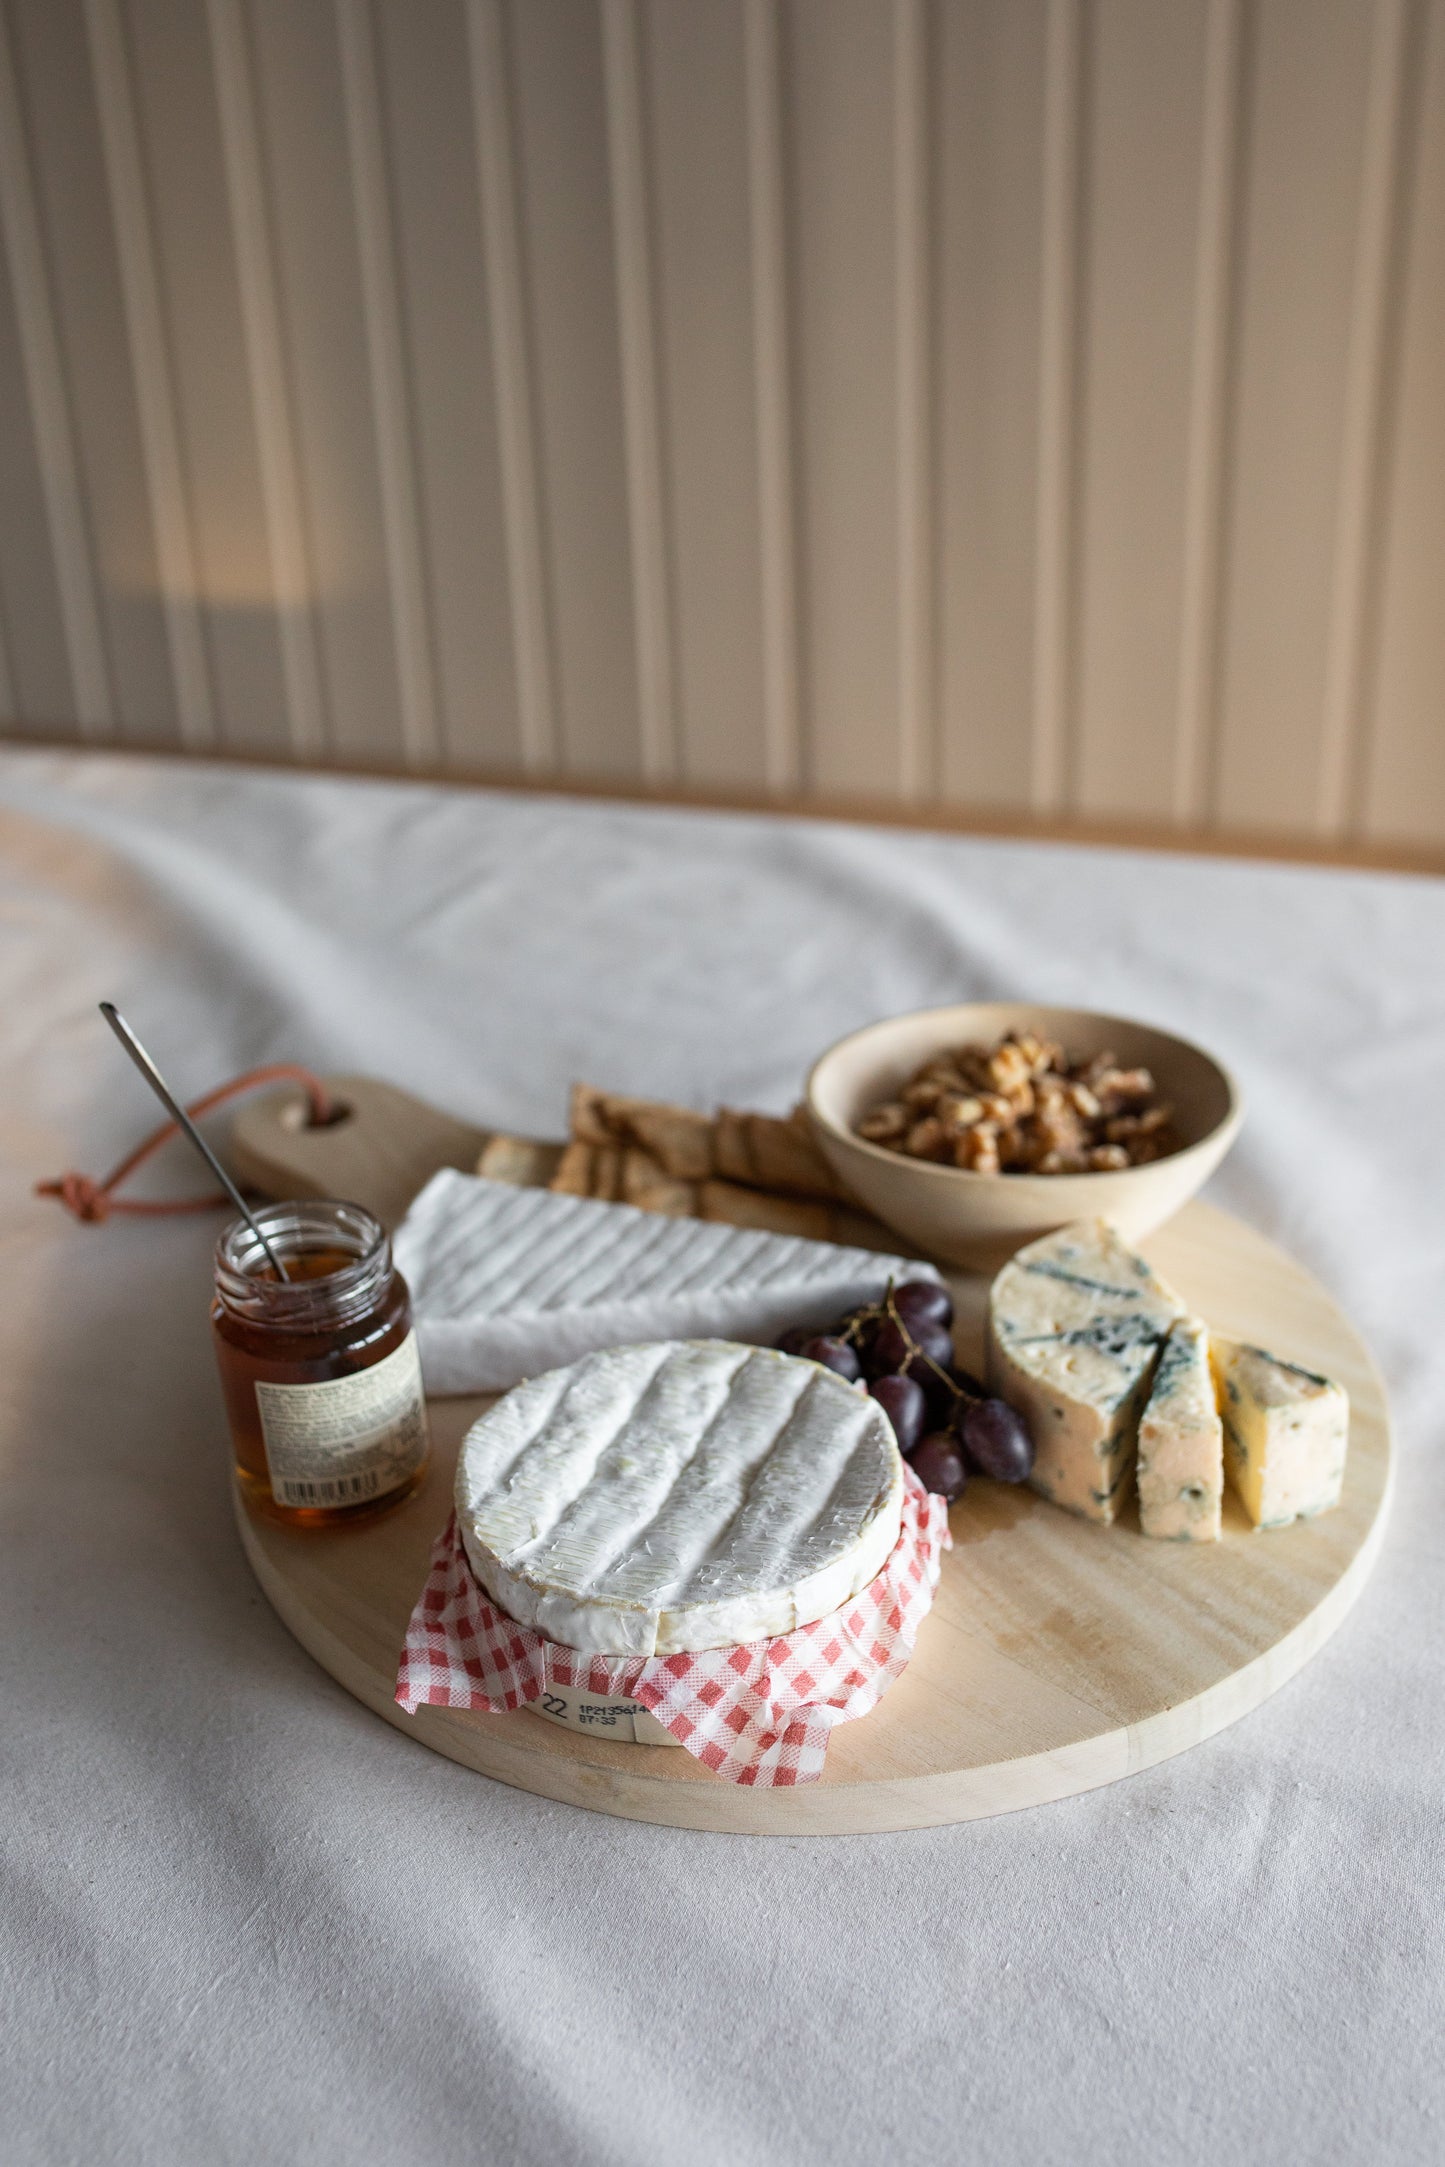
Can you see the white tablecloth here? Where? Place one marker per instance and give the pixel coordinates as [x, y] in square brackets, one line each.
[245, 1921]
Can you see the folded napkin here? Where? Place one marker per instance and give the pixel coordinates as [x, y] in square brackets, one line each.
[759, 1715]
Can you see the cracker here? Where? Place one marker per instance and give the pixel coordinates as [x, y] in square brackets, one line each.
[607, 1161]
[758, 1151]
[680, 1140]
[784, 1156]
[645, 1184]
[734, 1205]
[731, 1155]
[587, 1115]
[573, 1176]
[520, 1161]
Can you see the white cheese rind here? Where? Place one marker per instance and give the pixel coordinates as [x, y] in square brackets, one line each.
[656, 1498]
[1075, 1324]
[507, 1282]
[1180, 1467]
[1286, 1433]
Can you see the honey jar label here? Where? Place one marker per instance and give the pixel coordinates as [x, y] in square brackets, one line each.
[348, 1440]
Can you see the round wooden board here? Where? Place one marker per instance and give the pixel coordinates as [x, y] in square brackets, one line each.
[1058, 1655]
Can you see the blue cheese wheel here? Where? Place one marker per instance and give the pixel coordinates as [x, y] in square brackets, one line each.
[678, 1495]
[1075, 1325]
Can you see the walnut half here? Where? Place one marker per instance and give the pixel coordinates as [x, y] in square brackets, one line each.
[1024, 1106]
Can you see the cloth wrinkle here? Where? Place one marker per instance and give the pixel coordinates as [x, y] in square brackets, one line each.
[1233, 1955]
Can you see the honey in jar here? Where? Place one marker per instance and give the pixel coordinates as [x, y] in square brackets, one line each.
[320, 1373]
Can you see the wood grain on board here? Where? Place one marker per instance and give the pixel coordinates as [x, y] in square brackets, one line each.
[1058, 1655]
[381, 1149]
[383, 1146]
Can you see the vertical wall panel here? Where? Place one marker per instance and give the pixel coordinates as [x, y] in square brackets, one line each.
[151, 373]
[1310, 68]
[630, 186]
[176, 108]
[1216, 283]
[307, 164]
[498, 192]
[1370, 374]
[269, 374]
[773, 394]
[7, 679]
[989, 163]
[697, 91]
[916, 419]
[53, 64]
[840, 111]
[1061, 246]
[1141, 219]
[1023, 404]
[41, 687]
[401, 525]
[432, 152]
[1404, 793]
[568, 260]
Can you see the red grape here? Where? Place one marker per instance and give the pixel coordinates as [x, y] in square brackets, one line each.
[941, 1398]
[923, 1301]
[794, 1339]
[903, 1403]
[936, 1341]
[938, 1464]
[887, 1349]
[997, 1441]
[834, 1354]
[890, 1351]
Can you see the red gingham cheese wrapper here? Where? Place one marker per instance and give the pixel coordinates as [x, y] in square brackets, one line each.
[759, 1714]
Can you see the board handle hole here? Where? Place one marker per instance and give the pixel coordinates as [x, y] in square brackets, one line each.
[295, 1116]
[338, 1114]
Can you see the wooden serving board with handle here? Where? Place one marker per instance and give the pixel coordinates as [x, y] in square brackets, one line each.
[380, 1150]
[1058, 1655]
[383, 1146]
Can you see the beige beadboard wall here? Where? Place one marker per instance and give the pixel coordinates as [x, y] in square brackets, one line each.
[1034, 407]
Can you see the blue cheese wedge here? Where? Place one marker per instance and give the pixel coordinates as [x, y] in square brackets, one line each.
[1286, 1433]
[1075, 1325]
[696, 1494]
[1180, 1467]
[507, 1282]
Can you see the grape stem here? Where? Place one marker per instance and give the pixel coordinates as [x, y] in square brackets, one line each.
[876, 1312]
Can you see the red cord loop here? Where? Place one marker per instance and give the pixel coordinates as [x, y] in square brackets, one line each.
[94, 1201]
[79, 1194]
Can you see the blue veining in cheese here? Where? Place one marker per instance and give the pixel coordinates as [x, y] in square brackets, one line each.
[1286, 1433]
[1181, 1450]
[1076, 1322]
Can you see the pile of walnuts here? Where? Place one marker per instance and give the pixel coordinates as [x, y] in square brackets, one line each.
[1024, 1107]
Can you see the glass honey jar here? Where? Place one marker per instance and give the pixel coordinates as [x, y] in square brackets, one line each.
[320, 1372]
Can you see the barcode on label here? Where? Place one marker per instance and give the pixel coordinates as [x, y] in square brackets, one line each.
[333, 1490]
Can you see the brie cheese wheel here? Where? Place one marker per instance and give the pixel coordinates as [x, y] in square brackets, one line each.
[694, 1494]
[1286, 1433]
[506, 1282]
[1181, 1443]
[1075, 1324]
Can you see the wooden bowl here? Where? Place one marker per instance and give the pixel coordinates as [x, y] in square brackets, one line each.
[981, 1219]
